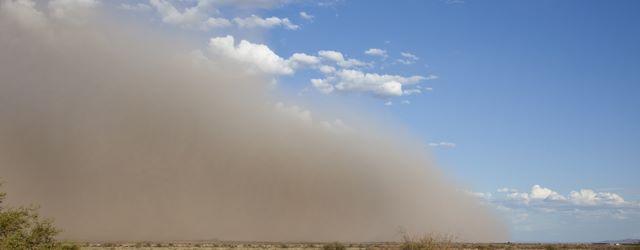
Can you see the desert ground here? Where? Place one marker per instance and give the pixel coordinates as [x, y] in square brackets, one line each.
[346, 246]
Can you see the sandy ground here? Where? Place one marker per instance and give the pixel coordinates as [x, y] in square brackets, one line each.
[357, 246]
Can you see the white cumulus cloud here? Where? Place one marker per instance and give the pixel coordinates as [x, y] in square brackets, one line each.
[216, 22]
[301, 59]
[255, 21]
[349, 80]
[306, 16]
[590, 197]
[322, 85]
[340, 60]
[376, 52]
[197, 16]
[260, 58]
[547, 198]
[585, 203]
[193, 17]
[541, 193]
[257, 57]
[326, 69]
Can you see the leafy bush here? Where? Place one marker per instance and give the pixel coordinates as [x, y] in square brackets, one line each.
[22, 228]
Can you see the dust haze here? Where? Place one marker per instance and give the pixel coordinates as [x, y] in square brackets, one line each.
[122, 136]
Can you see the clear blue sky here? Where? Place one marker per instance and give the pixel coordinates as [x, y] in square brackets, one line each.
[527, 93]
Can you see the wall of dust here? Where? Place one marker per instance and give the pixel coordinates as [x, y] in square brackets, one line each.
[123, 137]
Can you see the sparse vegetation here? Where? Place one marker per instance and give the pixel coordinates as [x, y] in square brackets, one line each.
[436, 242]
[427, 242]
[334, 246]
[23, 228]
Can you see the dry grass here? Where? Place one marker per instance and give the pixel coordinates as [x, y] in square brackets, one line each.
[408, 243]
[427, 242]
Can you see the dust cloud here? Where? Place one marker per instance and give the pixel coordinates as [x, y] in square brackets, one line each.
[120, 136]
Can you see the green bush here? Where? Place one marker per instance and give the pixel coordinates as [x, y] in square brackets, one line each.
[23, 228]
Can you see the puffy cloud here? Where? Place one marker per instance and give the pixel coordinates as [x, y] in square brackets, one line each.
[340, 60]
[260, 58]
[306, 16]
[254, 21]
[376, 52]
[331, 55]
[391, 88]
[216, 22]
[326, 69]
[353, 80]
[521, 197]
[583, 204]
[537, 193]
[197, 16]
[257, 57]
[541, 193]
[322, 85]
[348, 80]
[301, 59]
[358, 80]
[590, 197]
[194, 17]
[546, 198]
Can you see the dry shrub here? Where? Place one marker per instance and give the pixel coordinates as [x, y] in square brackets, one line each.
[334, 246]
[427, 242]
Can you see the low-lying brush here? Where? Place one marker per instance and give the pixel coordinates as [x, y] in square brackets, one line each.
[334, 246]
[427, 242]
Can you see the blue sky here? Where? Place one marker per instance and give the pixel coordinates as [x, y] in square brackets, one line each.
[512, 93]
